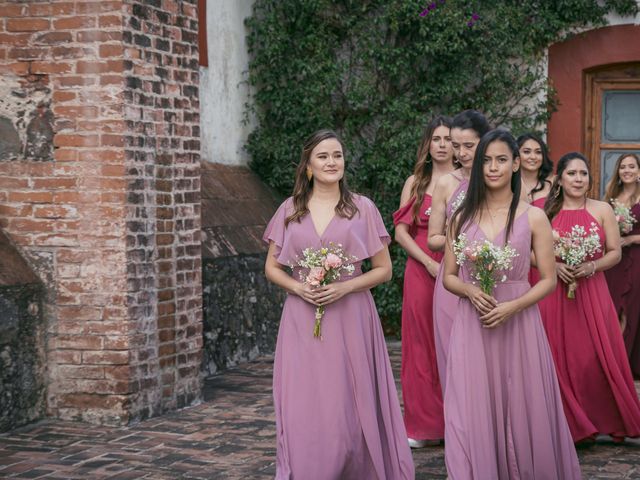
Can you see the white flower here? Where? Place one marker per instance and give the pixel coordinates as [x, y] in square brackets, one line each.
[458, 201]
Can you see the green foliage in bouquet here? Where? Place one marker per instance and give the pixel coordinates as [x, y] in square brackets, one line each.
[376, 71]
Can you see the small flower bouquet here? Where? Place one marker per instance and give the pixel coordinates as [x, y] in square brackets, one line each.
[575, 247]
[325, 266]
[487, 262]
[624, 217]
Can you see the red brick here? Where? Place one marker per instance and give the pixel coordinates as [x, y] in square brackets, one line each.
[26, 24]
[80, 111]
[55, 211]
[40, 10]
[99, 7]
[107, 140]
[62, 8]
[12, 183]
[54, 183]
[66, 357]
[74, 23]
[78, 342]
[50, 67]
[111, 51]
[75, 81]
[63, 140]
[63, 96]
[9, 11]
[80, 371]
[111, 80]
[98, 36]
[28, 53]
[18, 68]
[84, 401]
[110, 21]
[16, 211]
[106, 357]
[31, 197]
[99, 67]
[53, 38]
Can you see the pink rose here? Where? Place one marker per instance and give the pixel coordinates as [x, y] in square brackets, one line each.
[316, 275]
[332, 261]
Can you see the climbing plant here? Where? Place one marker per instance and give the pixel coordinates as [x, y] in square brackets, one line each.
[376, 71]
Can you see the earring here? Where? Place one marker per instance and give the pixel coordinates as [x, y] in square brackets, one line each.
[309, 174]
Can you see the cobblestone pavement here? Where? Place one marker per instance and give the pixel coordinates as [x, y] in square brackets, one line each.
[230, 436]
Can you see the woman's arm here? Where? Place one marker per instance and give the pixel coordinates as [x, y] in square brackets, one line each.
[613, 250]
[407, 242]
[438, 218]
[484, 303]
[380, 272]
[542, 245]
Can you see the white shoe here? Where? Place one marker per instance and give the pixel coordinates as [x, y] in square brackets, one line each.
[413, 443]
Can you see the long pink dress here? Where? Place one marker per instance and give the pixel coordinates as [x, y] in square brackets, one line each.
[503, 410]
[590, 358]
[445, 303]
[421, 390]
[534, 275]
[336, 404]
[624, 285]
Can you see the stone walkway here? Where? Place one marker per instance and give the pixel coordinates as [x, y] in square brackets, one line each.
[230, 436]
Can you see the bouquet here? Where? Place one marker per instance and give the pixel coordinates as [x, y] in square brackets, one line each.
[624, 217]
[487, 262]
[575, 247]
[325, 265]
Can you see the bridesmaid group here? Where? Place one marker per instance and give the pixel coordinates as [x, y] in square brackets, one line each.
[511, 381]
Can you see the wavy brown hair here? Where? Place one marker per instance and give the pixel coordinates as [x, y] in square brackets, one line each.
[423, 171]
[547, 165]
[556, 195]
[614, 187]
[303, 187]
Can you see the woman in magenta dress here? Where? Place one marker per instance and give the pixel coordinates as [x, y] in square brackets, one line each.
[624, 278]
[466, 130]
[421, 390]
[503, 409]
[584, 334]
[336, 404]
[536, 169]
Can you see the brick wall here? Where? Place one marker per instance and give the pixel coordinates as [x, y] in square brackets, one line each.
[106, 207]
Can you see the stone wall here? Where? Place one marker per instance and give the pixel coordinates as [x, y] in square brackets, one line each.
[99, 188]
[241, 309]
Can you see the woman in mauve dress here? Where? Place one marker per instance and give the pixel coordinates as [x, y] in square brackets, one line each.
[536, 170]
[467, 129]
[336, 404]
[591, 362]
[624, 278]
[503, 411]
[421, 390]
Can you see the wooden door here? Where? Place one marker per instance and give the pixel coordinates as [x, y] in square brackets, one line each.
[612, 119]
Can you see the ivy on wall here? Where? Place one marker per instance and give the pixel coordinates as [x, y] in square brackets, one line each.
[376, 71]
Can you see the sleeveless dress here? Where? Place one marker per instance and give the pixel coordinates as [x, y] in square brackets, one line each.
[336, 404]
[534, 275]
[624, 285]
[591, 362]
[445, 303]
[421, 390]
[503, 409]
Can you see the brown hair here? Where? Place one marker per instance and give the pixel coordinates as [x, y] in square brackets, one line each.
[556, 195]
[423, 170]
[302, 188]
[614, 187]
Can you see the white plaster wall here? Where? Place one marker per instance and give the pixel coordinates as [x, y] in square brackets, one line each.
[223, 88]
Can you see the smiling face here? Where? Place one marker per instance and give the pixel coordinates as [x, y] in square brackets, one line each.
[575, 178]
[440, 147]
[464, 143]
[629, 170]
[499, 165]
[327, 161]
[531, 156]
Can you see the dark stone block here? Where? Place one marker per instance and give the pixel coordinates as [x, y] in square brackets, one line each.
[142, 40]
[241, 311]
[10, 145]
[40, 136]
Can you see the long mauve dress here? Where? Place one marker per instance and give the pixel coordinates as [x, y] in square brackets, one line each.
[445, 303]
[591, 362]
[336, 404]
[421, 390]
[502, 405]
[624, 285]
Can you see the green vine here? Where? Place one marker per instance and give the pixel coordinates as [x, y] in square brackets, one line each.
[377, 70]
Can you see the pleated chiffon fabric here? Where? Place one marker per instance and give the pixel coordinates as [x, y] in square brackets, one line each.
[503, 410]
[336, 404]
[421, 389]
[595, 379]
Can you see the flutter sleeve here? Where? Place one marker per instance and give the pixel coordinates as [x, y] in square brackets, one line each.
[405, 213]
[276, 231]
[375, 236]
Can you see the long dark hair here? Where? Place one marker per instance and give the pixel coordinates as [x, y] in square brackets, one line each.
[556, 195]
[471, 120]
[476, 194]
[302, 188]
[423, 171]
[614, 187]
[547, 165]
